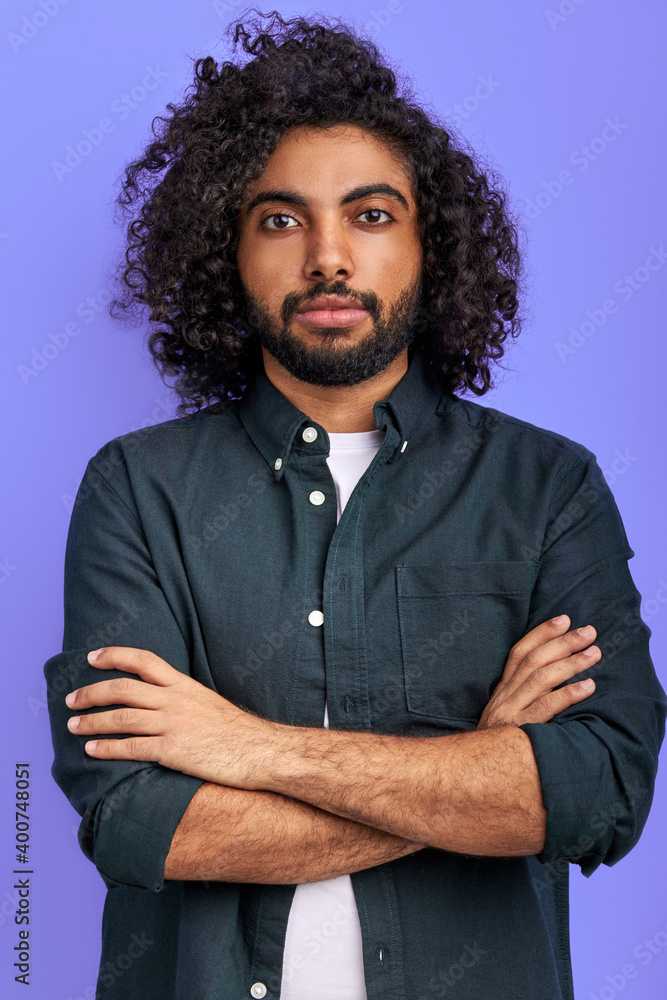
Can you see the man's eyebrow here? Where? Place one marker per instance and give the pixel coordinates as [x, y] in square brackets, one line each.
[292, 198]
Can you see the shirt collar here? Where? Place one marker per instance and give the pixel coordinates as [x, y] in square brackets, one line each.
[275, 425]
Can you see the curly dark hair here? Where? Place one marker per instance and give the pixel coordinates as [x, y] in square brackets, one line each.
[191, 182]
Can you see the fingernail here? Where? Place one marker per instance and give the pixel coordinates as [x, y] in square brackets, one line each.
[92, 656]
[560, 620]
[71, 698]
[73, 723]
[587, 684]
[585, 630]
[90, 746]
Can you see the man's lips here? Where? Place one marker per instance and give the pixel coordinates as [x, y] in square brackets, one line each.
[332, 317]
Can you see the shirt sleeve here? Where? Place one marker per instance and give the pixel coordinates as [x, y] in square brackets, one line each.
[598, 759]
[129, 809]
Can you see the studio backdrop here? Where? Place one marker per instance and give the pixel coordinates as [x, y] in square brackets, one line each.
[565, 99]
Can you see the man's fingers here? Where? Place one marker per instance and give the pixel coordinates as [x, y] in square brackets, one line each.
[539, 662]
[120, 720]
[149, 666]
[118, 691]
[558, 648]
[550, 675]
[516, 713]
[526, 689]
[132, 748]
[551, 650]
[549, 705]
[533, 640]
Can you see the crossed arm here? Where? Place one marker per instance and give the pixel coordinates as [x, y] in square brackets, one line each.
[473, 792]
[291, 804]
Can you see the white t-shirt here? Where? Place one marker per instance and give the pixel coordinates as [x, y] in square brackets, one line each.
[323, 954]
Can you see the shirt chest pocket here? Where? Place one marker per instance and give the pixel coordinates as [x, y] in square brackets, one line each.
[457, 626]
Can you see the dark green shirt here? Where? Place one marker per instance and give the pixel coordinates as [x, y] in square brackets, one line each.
[196, 539]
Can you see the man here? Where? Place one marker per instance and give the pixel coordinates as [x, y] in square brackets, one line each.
[338, 742]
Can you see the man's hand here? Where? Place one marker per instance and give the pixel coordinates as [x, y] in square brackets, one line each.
[537, 663]
[171, 718]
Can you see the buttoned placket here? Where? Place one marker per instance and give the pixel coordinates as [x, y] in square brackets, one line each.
[333, 635]
[335, 568]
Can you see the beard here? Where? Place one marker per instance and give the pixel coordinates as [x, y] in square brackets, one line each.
[329, 360]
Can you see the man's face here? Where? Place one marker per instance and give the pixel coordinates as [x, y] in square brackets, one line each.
[306, 230]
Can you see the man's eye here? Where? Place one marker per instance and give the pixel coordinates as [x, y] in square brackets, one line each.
[375, 212]
[278, 215]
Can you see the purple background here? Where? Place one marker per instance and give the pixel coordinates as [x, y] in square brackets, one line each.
[535, 83]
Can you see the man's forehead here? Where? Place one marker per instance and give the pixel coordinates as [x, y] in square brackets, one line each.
[299, 174]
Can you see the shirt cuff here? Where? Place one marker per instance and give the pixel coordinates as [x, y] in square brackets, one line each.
[128, 833]
[579, 794]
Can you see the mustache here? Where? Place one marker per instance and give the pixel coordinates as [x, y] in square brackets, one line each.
[293, 300]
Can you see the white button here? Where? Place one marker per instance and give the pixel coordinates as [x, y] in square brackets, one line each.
[278, 464]
[315, 617]
[309, 434]
[316, 497]
[258, 990]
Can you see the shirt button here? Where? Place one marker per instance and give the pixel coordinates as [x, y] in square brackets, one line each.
[258, 990]
[278, 464]
[315, 618]
[316, 497]
[309, 434]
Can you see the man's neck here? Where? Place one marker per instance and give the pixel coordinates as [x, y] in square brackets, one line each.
[339, 409]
